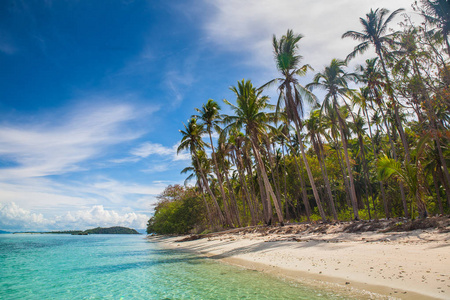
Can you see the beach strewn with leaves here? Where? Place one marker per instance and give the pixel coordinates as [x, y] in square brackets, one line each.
[373, 143]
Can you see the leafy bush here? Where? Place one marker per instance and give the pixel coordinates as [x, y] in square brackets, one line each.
[177, 211]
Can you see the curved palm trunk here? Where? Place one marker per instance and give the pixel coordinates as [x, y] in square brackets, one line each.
[302, 181]
[310, 176]
[399, 126]
[396, 109]
[205, 183]
[267, 185]
[297, 121]
[323, 168]
[219, 179]
[208, 210]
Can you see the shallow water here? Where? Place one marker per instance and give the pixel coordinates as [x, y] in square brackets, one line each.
[127, 267]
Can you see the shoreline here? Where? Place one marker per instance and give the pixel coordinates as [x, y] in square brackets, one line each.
[405, 265]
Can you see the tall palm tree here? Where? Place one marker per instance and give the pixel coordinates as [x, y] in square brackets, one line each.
[374, 31]
[195, 169]
[315, 129]
[334, 81]
[362, 99]
[437, 12]
[293, 93]
[192, 141]
[371, 76]
[210, 116]
[250, 114]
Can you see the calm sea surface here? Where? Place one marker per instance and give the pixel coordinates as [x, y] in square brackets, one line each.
[126, 267]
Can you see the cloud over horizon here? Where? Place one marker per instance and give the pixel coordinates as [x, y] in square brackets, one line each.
[15, 218]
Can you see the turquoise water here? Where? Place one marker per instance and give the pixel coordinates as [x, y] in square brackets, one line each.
[126, 267]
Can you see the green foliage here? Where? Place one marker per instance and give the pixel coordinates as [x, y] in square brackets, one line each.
[111, 230]
[178, 211]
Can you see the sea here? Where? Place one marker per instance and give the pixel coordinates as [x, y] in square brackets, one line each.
[57, 266]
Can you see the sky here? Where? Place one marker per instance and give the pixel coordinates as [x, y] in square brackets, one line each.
[93, 93]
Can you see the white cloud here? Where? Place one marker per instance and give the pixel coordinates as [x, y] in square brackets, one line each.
[97, 216]
[15, 218]
[45, 195]
[248, 26]
[170, 153]
[61, 143]
[148, 148]
[12, 217]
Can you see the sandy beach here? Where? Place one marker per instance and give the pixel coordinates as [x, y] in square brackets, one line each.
[407, 265]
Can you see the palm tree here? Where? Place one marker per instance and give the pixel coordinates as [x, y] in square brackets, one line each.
[374, 33]
[334, 81]
[437, 12]
[293, 93]
[195, 169]
[362, 99]
[237, 140]
[209, 115]
[315, 128]
[192, 141]
[250, 114]
[372, 78]
[411, 174]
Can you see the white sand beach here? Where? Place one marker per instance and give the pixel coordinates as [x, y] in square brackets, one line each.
[407, 265]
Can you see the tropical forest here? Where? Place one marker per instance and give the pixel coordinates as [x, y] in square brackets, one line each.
[368, 142]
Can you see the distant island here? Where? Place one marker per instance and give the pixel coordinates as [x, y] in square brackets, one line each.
[98, 230]
[111, 230]
[4, 232]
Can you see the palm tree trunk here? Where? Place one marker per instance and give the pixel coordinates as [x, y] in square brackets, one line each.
[286, 200]
[208, 210]
[310, 176]
[321, 158]
[205, 183]
[233, 200]
[438, 194]
[219, 179]
[267, 185]
[240, 168]
[396, 109]
[375, 154]
[394, 154]
[302, 181]
[275, 174]
[255, 203]
[347, 160]
[433, 117]
[446, 185]
[297, 122]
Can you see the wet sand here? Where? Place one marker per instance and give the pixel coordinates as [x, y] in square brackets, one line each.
[407, 265]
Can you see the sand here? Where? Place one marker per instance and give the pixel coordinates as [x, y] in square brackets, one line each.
[405, 265]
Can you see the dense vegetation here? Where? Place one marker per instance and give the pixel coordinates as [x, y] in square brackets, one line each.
[379, 150]
[111, 230]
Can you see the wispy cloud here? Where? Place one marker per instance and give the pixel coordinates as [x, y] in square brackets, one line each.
[148, 149]
[59, 144]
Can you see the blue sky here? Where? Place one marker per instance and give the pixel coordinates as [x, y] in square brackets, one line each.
[93, 93]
